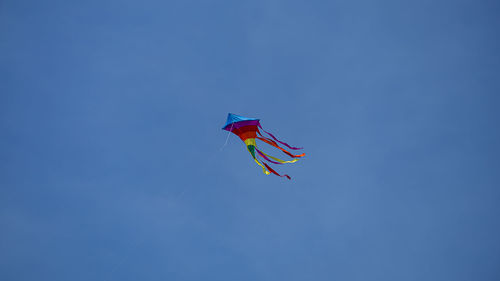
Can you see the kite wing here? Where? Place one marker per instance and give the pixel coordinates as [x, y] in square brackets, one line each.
[248, 129]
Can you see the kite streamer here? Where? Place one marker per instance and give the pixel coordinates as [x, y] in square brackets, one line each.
[248, 129]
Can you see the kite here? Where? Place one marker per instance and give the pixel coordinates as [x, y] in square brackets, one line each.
[249, 129]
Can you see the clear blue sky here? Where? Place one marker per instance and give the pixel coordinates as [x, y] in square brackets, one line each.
[110, 136]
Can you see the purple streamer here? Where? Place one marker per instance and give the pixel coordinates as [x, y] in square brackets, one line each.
[283, 143]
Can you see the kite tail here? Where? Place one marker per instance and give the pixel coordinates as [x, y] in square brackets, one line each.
[274, 138]
[265, 156]
[274, 172]
[273, 143]
[263, 168]
[269, 169]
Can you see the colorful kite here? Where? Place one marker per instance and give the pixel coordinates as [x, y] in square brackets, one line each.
[248, 130]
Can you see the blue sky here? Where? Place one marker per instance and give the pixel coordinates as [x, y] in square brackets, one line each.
[111, 168]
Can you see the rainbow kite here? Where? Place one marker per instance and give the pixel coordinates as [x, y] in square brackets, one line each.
[248, 129]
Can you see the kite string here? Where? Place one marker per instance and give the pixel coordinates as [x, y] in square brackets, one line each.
[228, 133]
